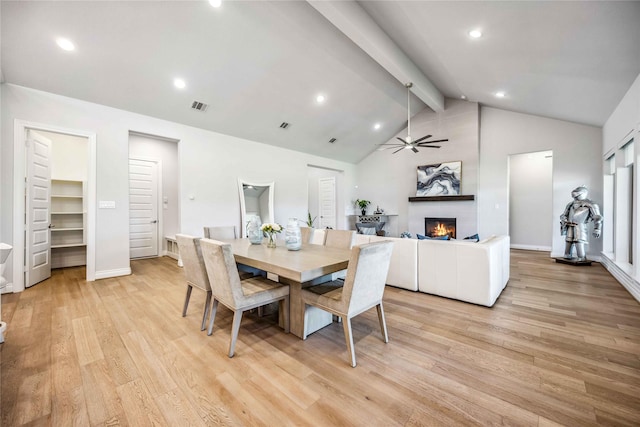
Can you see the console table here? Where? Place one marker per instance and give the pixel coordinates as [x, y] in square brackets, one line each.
[370, 224]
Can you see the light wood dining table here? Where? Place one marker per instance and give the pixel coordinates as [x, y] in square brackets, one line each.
[297, 269]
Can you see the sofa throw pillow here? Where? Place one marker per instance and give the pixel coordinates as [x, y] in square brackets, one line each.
[421, 237]
[474, 237]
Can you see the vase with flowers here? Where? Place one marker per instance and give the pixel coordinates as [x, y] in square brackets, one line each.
[271, 229]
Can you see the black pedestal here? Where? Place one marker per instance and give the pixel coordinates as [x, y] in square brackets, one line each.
[573, 262]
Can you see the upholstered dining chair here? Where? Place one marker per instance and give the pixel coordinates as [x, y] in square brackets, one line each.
[363, 289]
[339, 238]
[239, 295]
[194, 271]
[220, 233]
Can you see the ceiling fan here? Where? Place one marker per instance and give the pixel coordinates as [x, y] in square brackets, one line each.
[407, 143]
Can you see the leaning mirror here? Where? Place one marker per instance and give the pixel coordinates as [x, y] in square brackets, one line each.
[255, 199]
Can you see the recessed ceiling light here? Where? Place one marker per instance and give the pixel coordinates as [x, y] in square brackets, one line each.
[463, 97]
[500, 94]
[65, 44]
[377, 126]
[179, 83]
[215, 3]
[320, 99]
[475, 34]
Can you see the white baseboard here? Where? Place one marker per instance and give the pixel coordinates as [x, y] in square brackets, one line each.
[531, 247]
[629, 282]
[105, 274]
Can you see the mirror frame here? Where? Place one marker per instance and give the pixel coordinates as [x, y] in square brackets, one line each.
[243, 211]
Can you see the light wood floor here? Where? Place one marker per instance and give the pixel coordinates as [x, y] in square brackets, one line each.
[561, 346]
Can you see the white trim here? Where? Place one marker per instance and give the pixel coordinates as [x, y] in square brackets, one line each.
[626, 280]
[19, 173]
[105, 274]
[159, 201]
[531, 247]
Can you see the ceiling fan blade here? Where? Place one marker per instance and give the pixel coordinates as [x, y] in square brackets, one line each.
[431, 142]
[414, 149]
[399, 149]
[422, 139]
[429, 146]
[405, 142]
[392, 147]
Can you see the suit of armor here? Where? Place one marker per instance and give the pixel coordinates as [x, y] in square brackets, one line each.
[573, 223]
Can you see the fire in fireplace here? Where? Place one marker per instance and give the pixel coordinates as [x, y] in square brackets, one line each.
[435, 227]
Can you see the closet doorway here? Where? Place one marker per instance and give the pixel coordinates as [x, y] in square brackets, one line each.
[54, 213]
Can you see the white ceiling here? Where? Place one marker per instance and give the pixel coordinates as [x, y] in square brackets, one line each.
[258, 64]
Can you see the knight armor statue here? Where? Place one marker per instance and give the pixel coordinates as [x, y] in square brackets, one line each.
[574, 220]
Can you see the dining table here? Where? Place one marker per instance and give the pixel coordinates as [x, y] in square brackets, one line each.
[298, 269]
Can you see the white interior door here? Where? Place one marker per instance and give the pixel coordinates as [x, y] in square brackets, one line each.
[143, 208]
[327, 202]
[38, 208]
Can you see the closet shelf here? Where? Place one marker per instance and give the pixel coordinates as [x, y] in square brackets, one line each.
[67, 229]
[69, 245]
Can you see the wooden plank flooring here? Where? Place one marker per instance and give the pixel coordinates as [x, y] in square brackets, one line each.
[560, 347]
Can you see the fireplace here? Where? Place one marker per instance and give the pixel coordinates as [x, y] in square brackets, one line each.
[434, 227]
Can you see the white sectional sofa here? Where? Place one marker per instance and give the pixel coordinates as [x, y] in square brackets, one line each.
[458, 269]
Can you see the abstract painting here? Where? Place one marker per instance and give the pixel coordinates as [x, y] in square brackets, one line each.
[440, 179]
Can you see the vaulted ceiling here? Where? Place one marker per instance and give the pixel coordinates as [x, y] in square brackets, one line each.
[258, 64]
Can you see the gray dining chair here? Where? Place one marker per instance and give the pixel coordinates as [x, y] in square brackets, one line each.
[194, 271]
[363, 289]
[239, 295]
[220, 232]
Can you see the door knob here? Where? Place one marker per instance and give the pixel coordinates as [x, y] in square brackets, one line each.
[154, 221]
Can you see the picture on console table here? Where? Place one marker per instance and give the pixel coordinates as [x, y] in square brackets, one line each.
[439, 179]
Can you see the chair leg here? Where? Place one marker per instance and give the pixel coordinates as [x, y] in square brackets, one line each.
[186, 300]
[235, 328]
[207, 305]
[348, 336]
[214, 308]
[383, 323]
[283, 313]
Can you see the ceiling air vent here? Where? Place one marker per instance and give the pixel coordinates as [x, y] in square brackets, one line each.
[284, 125]
[199, 106]
[332, 140]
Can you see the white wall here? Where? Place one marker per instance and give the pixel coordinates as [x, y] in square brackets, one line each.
[388, 180]
[624, 119]
[576, 161]
[210, 165]
[621, 127]
[530, 201]
[69, 156]
[166, 151]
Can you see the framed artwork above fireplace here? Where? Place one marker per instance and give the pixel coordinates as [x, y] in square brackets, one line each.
[439, 179]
